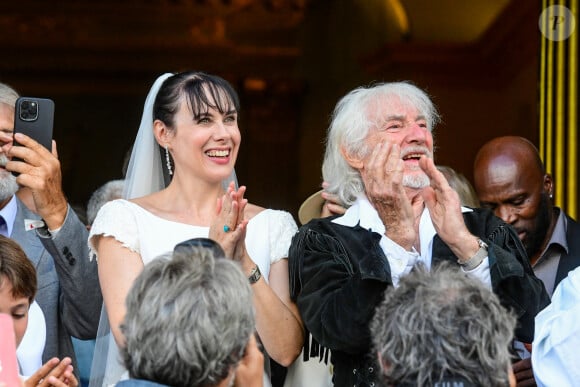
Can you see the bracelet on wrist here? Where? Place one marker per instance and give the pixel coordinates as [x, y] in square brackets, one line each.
[476, 260]
[255, 275]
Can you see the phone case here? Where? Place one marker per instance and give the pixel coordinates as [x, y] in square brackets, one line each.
[8, 363]
[34, 117]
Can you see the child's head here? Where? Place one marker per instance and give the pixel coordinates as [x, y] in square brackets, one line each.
[17, 284]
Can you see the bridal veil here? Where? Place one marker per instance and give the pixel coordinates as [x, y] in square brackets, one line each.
[146, 174]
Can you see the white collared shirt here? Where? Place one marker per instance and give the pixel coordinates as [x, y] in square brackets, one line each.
[29, 352]
[557, 336]
[400, 260]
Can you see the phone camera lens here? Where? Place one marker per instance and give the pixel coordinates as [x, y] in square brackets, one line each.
[28, 110]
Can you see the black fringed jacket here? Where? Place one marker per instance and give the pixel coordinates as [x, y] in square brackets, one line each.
[338, 275]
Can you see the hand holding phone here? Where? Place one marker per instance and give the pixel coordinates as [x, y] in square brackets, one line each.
[33, 160]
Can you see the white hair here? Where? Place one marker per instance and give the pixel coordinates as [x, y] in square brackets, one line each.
[8, 95]
[189, 317]
[351, 122]
[107, 192]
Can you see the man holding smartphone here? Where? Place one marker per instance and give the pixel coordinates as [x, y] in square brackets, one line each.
[35, 213]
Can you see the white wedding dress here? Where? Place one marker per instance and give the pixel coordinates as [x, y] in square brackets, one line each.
[268, 238]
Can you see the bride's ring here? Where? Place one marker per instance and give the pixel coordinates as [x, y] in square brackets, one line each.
[226, 228]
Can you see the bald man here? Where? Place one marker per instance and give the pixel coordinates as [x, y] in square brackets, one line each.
[510, 179]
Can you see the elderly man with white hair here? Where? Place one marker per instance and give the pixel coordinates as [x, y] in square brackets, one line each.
[402, 211]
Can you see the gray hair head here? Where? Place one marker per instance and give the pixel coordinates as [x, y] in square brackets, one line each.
[442, 323]
[109, 191]
[8, 95]
[189, 318]
[351, 122]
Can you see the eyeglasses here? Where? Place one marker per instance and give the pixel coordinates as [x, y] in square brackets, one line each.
[201, 242]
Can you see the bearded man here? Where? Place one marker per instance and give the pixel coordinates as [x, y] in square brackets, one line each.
[35, 213]
[511, 180]
[401, 212]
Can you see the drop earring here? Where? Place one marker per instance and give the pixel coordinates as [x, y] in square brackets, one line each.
[168, 161]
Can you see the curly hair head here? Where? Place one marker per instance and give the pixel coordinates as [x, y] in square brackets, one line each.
[442, 323]
[189, 318]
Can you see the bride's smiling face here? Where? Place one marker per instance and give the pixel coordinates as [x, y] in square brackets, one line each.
[205, 144]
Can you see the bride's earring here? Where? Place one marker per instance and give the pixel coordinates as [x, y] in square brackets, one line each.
[168, 161]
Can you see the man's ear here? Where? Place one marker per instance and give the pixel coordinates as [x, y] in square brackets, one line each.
[354, 161]
[549, 185]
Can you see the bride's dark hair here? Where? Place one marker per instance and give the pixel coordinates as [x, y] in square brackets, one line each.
[203, 91]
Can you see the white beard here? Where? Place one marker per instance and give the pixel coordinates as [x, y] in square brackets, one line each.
[8, 185]
[416, 181]
[415, 178]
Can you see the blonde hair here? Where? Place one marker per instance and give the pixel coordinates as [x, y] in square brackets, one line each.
[461, 185]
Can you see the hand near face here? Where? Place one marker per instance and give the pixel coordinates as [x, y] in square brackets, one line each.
[382, 175]
[40, 171]
[5, 138]
[250, 371]
[54, 373]
[332, 204]
[445, 210]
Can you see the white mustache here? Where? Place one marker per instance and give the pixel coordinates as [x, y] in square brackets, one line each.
[3, 160]
[416, 149]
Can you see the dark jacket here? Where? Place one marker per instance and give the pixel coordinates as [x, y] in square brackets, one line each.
[571, 260]
[338, 275]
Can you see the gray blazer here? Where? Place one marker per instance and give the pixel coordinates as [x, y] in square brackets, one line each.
[68, 284]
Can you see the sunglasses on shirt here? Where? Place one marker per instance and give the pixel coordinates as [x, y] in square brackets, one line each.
[203, 243]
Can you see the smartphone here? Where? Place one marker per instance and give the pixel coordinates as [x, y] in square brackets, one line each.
[34, 117]
[8, 363]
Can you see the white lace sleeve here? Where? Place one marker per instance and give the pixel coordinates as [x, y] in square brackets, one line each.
[282, 229]
[115, 219]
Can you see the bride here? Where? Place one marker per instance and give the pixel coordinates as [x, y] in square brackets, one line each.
[189, 136]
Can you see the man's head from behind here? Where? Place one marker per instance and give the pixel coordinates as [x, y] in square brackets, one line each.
[442, 325]
[510, 179]
[111, 190]
[189, 317]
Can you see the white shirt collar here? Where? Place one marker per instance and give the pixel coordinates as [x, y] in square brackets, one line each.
[364, 213]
